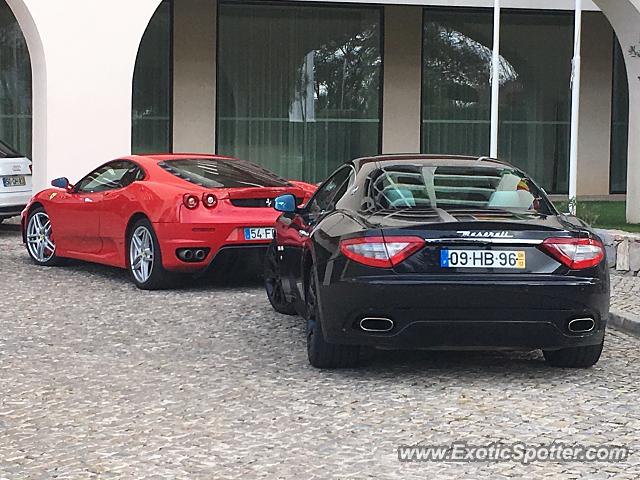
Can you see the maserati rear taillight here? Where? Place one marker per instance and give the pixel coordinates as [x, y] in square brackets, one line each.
[575, 253]
[382, 252]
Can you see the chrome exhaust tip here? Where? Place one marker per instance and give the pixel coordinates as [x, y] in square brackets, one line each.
[582, 325]
[200, 255]
[376, 325]
[188, 255]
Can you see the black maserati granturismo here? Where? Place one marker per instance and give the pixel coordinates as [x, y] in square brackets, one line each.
[438, 252]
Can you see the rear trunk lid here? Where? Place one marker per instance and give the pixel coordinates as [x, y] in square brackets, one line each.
[481, 242]
[15, 174]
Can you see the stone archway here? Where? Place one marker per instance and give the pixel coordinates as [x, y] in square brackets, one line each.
[624, 16]
[82, 76]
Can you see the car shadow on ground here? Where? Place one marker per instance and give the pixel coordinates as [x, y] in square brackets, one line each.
[196, 283]
[9, 229]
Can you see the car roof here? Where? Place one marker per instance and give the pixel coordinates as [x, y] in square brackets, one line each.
[430, 159]
[163, 157]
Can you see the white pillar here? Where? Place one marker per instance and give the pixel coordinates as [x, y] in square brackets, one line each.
[624, 16]
[83, 56]
[575, 109]
[194, 76]
[402, 80]
[495, 81]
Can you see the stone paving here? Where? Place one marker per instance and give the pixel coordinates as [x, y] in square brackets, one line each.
[625, 295]
[100, 380]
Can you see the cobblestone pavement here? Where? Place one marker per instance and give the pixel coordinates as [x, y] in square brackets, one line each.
[100, 380]
[625, 298]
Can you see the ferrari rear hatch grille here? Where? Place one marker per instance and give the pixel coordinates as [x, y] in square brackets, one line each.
[257, 202]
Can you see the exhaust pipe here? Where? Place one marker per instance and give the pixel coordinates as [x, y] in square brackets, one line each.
[200, 255]
[376, 325]
[582, 325]
[188, 255]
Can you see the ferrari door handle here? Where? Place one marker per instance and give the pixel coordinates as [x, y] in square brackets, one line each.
[303, 233]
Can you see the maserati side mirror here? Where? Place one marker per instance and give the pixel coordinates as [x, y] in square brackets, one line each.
[285, 203]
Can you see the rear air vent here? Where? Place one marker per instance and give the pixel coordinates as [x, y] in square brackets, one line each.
[257, 202]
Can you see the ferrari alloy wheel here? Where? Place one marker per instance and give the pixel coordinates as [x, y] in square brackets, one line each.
[145, 261]
[40, 243]
[141, 254]
[321, 353]
[273, 283]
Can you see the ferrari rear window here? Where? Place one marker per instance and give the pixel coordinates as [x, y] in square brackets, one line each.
[217, 173]
[415, 186]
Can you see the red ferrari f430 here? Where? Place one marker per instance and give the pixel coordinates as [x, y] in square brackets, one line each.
[157, 214]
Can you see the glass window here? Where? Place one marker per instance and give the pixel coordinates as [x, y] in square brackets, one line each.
[456, 94]
[409, 186]
[298, 85]
[111, 176]
[152, 86]
[535, 102]
[534, 105]
[620, 123]
[330, 192]
[213, 173]
[15, 84]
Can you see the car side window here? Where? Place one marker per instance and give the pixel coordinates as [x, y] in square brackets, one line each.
[331, 190]
[111, 176]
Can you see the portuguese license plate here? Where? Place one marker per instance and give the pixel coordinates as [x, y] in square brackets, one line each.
[14, 181]
[257, 234]
[512, 259]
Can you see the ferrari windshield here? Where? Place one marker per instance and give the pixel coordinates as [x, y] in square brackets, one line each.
[219, 173]
[415, 186]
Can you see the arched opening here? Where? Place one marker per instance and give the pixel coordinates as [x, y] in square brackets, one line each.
[15, 84]
[152, 85]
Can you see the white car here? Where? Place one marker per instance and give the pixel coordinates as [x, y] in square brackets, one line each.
[15, 182]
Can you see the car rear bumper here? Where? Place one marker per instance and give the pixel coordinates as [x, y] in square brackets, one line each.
[11, 204]
[461, 314]
[212, 237]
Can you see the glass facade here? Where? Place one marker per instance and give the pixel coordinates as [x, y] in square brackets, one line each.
[619, 123]
[298, 85]
[534, 104]
[152, 82]
[15, 84]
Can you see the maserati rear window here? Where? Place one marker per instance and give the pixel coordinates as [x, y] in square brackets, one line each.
[415, 186]
[215, 173]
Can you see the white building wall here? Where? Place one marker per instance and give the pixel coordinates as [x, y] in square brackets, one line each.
[83, 55]
[194, 73]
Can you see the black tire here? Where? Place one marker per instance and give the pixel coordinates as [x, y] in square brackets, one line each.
[322, 354]
[45, 261]
[273, 283]
[576, 357]
[158, 278]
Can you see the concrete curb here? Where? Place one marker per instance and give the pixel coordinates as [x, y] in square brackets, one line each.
[625, 322]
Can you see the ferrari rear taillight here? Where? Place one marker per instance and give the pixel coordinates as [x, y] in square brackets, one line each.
[382, 252]
[190, 201]
[209, 200]
[575, 253]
